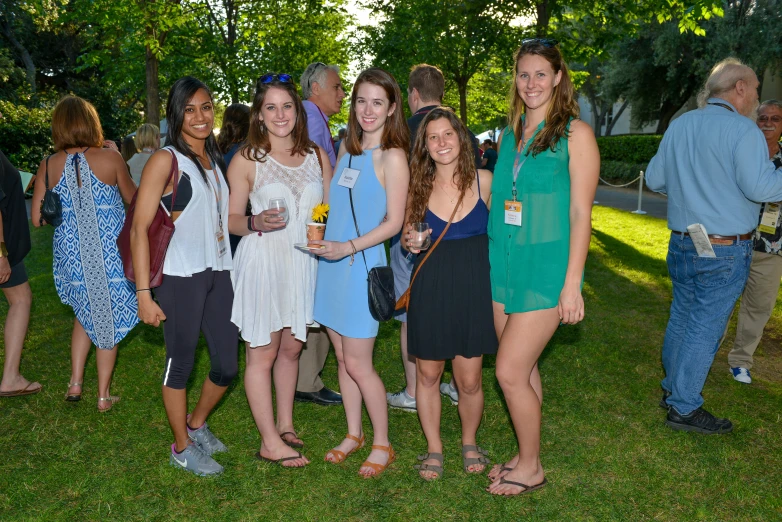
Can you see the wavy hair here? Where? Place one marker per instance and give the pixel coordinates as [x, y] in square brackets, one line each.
[561, 109]
[422, 166]
[180, 94]
[396, 133]
[75, 123]
[258, 144]
[236, 125]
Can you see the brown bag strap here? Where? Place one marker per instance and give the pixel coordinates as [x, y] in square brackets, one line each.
[450, 220]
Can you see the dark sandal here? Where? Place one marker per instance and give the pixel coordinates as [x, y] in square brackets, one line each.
[294, 445]
[503, 469]
[527, 489]
[471, 461]
[430, 467]
[73, 397]
[280, 461]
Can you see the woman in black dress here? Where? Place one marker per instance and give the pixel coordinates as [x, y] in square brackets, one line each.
[450, 313]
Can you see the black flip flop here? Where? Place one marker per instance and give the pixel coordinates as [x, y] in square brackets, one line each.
[527, 489]
[279, 461]
[294, 445]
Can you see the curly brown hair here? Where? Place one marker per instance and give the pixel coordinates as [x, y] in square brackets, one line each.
[562, 108]
[236, 125]
[258, 144]
[422, 166]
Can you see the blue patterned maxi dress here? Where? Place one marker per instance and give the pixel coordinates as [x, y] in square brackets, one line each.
[88, 270]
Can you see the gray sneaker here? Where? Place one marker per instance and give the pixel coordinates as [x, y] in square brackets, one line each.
[401, 400]
[194, 460]
[206, 440]
[450, 392]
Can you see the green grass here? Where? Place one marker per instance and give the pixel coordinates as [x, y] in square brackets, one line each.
[607, 453]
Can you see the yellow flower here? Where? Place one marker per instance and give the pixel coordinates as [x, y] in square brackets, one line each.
[320, 213]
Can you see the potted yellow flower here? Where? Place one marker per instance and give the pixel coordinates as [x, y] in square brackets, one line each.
[317, 228]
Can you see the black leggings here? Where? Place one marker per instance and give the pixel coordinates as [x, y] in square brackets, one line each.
[201, 303]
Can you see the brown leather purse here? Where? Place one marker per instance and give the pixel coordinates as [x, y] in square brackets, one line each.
[160, 232]
[404, 300]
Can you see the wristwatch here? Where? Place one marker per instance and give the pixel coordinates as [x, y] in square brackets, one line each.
[3, 251]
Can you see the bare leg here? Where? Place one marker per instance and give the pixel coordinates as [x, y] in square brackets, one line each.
[408, 362]
[80, 348]
[105, 360]
[429, 408]
[357, 355]
[20, 299]
[523, 340]
[286, 371]
[175, 402]
[351, 398]
[468, 376]
[258, 386]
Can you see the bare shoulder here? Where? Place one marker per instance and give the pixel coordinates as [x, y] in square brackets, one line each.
[581, 131]
[393, 156]
[486, 177]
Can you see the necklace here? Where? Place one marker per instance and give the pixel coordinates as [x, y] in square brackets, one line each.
[452, 199]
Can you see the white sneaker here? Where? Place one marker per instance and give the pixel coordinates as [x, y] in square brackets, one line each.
[450, 392]
[741, 374]
[401, 400]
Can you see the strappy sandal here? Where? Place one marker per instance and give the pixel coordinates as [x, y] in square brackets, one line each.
[73, 397]
[471, 461]
[430, 467]
[291, 444]
[340, 456]
[379, 468]
[503, 470]
[279, 462]
[526, 488]
[112, 400]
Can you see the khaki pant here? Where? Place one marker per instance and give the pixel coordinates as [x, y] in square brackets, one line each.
[757, 303]
[312, 359]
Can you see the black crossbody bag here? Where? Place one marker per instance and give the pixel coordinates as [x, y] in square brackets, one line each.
[380, 280]
[51, 207]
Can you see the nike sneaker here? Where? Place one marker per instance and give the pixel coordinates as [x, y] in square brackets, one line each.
[194, 460]
[206, 440]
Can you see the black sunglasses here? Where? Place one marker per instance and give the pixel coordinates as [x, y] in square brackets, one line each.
[545, 42]
[270, 77]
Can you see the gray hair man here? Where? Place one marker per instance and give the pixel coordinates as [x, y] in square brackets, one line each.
[323, 94]
[713, 164]
[760, 294]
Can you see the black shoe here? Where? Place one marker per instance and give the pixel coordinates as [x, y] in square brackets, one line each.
[664, 400]
[324, 397]
[699, 421]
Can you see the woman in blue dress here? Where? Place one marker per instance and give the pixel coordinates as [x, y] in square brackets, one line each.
[374, 162]
[92, 183]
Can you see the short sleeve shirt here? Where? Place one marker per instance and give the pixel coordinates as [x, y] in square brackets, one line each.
[16, 230]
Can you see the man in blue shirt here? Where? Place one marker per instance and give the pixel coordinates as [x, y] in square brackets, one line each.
[713, 164]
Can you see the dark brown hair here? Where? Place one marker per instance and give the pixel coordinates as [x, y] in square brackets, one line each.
[258, 144]
[428, 80]
[75, 123]
[563, 105]
[396, 134]
[236, 125]
[422, 166]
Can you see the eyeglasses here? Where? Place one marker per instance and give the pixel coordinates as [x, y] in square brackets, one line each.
[545, 42]
[315, 69]
[772, 119]
[270, 77]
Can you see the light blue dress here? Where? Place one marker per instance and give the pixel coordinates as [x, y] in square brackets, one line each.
[341, 301]
[88, 271]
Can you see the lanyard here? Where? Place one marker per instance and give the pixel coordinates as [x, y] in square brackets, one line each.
[218, 194]
[519, 162]
[724, 106]
[326, 121]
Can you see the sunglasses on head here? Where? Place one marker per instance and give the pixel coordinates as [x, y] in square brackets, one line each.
[545, 42]
[270, 77]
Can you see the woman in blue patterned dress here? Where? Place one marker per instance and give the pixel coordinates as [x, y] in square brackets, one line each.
[92, 183]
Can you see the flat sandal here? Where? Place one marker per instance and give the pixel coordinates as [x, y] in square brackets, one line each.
[430, 467]
[471, 461]
[112, 400]
[340, 456]
[73, 397]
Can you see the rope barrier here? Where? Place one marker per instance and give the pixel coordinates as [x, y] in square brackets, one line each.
[640, 190]
[620, 186]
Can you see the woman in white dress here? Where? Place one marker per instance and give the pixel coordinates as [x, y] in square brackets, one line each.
[274, 282]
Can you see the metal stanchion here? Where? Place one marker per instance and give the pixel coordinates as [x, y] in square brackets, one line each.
[640, 194]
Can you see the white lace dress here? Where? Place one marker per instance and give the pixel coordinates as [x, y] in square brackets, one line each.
[274, 283]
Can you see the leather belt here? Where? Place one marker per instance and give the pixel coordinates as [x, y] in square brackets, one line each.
[716, 239]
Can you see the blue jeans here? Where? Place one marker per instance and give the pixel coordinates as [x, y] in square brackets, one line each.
[704, 293]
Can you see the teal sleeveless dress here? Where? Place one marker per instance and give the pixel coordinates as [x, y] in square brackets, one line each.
[529, 263]
[341, 298]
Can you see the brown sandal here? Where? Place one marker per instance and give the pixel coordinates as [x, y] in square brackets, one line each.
[434, 468]
[340, 456]
[380, 468]
[290, 443]
[472, 461]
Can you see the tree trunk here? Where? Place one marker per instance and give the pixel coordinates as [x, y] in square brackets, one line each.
[597, 118]
[667, 111]
[24, 54]
[616, 117]
[543, 12]
[153, 89]
[462, 84]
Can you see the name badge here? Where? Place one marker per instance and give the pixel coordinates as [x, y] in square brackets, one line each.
[348, 177]
[221, 245]
[770, 219]
[513, 213]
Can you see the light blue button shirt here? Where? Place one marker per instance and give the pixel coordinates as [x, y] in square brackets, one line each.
[713, 164]
[318, 129]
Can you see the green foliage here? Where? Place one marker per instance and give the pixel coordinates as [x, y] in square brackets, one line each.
[630, 148]
[620, 172]
[25, 135]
